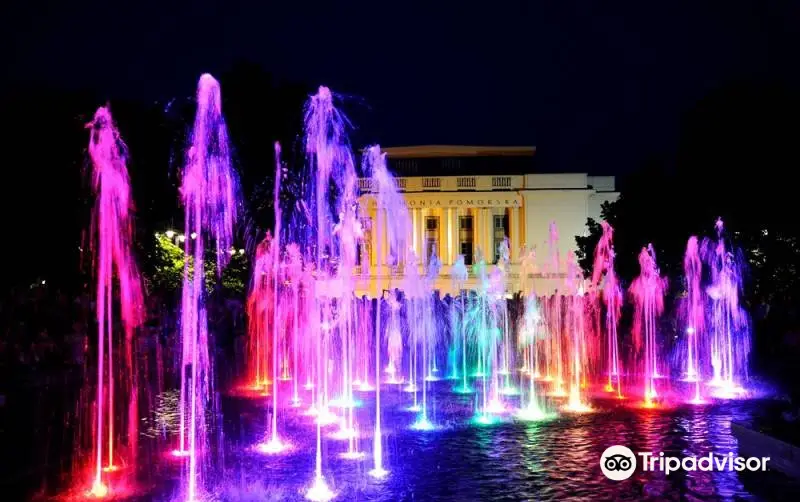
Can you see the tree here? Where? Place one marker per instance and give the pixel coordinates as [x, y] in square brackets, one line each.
[734, 151]
[167, 262]
[648, 211]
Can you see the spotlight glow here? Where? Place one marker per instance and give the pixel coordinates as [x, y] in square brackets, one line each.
[378, 473]
[423, 424]
[99, 490]
[272, 447]
[319, 491]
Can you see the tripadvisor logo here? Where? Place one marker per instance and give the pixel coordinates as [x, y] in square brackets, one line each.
[619, 463]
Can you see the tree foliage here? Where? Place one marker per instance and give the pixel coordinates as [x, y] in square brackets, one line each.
[167, 268]
[731, 164]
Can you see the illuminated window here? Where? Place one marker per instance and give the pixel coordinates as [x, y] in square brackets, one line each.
[431, 236]
[499, 232]
[363, 248]
[465, 238]
[466, 250]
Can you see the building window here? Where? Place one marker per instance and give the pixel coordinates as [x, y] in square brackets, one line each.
[466, 251]
[500, 232]
[431, 182]
[430, 249]
[465, 182]
[501, 181]
[365, 184]
[465, 238]
[364, 248]
[431, 236]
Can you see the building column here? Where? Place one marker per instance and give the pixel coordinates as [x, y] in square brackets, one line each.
[483, 232]
[420, 236]
[444, 226]
[373, 229]
[477, 232]
[490, 232]
[414, 229]
[477, 241]
[514, 241]
[423, 259]
[382, 239]
[452, 234]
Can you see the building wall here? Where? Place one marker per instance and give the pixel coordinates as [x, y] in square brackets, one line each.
[530, 202]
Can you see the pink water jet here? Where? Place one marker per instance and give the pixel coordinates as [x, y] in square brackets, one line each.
[647, 291]
[693, 315]
[579, 346]
[209, 191]
[603, 270]
[111, 244]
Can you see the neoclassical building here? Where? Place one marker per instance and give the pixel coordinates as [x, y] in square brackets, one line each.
[464, 200]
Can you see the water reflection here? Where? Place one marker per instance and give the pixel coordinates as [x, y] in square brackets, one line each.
[551, 460]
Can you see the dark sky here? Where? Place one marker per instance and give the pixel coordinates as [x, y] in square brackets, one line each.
[596, 86]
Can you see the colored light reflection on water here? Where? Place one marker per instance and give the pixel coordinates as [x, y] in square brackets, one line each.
[533, 414]
[423, 424]
[523, 456]
[273, 447]
[319, 491]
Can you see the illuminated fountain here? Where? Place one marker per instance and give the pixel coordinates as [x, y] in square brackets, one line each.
[112, 242]
[267, 285]
[531, 406]
[576, 328]
[294, 269]
[260, 304]
[693, 316]
[261, 308]
[394, 339]
[209, 191]
[494, 312]
[728, 327]
[484, 334]
[307, 326]
[330, 163]
[612, 302]
[500, 277]
[423, 301]
[348, 232]
[554, 343]
[393, 231]
[528, 342]
[434, 265]
[458, 323]
[414, 291]
[647, 291]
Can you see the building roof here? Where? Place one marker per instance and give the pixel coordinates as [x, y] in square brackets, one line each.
[452, 160]
[436, 151]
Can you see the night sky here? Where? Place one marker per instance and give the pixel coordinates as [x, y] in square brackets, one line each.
[596, 86]
[711, 89]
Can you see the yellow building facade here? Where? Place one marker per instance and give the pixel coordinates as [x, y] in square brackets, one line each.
[471, 214]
